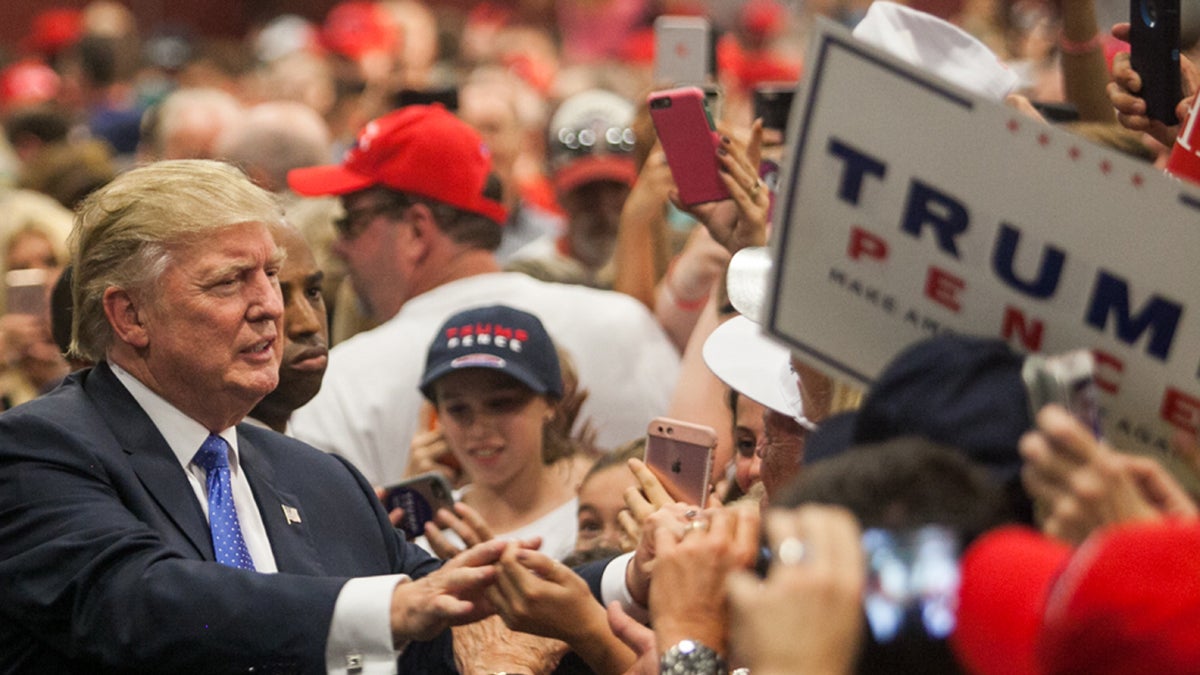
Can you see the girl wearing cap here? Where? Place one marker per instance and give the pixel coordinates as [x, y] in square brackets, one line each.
[493, 375]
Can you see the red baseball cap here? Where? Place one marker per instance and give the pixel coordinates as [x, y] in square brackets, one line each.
[420, 149]
[1006, 576]
[1126, 601]
[53, 30]
[27, 82]
[354, 29]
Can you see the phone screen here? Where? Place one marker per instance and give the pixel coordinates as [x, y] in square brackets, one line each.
[26, 291]
[912, 583]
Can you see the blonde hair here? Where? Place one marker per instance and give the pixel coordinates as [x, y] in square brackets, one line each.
[125, 232]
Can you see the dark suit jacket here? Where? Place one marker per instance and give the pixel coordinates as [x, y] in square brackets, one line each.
[106, 563]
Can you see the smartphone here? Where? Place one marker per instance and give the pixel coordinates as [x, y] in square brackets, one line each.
[689, 140]
[683, 50]
[913, 577]
[773, 103]
[681, 454]
[1067, 379]
[420, 497]
[26, 292]
[1154, 54]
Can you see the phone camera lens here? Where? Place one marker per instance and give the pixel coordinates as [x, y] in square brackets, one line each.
[1149, 12]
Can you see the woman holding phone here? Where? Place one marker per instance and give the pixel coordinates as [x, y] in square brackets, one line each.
[493, 375]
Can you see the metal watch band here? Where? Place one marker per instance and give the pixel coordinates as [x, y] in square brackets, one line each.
[688, 657]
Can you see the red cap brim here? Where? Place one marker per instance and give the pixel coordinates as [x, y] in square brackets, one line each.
[591, 169]
[335, 179]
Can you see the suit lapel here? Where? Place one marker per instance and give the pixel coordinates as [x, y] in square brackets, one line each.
[150, 457]
[289, 534]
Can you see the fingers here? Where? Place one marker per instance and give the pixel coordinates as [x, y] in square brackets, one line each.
[631, 531]
[1160, 488]
[746, 536]
[637, 637]
[651, 487]
[441, 545]
[480, 555]
[1121, 31]
[1069, 438]
[754, 147]
[466, 523]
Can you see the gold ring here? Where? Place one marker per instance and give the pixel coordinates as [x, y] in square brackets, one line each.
[756, 187]
[698, 524]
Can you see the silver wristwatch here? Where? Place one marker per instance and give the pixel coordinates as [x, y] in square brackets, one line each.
[689, 657]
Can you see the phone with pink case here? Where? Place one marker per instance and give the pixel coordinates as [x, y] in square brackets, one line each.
[686, 132]
[680, 454]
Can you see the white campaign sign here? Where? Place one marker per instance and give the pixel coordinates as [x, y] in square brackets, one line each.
[911, 207]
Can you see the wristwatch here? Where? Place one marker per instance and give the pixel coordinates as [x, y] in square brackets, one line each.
[689, 657]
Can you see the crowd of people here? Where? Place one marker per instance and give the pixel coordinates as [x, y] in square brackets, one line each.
[253, 285]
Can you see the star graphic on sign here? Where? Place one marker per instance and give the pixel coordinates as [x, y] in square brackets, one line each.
[1073, 153]
[1043, 139]
[681, 50]
[1105, 167]
[1137, 180]
[1013, 126]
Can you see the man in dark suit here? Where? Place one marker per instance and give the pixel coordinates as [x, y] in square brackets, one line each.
[142, 528]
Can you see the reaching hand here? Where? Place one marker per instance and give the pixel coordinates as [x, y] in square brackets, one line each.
[1081, 484]
[637, 637]
[429, 452]
[489, 646]
[806, 617]
[537, 594]
[463, 521]
[450, 596]
[687, 598]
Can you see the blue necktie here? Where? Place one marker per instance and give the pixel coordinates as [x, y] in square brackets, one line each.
[227, 539]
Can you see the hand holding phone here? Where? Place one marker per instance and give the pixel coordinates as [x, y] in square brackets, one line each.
[680, 455]
[419, 497]
[1154, 54]
[689, 140]
[1067, 379]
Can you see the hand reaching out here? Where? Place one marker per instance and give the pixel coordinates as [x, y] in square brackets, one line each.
[806, 617]
[1081, 484]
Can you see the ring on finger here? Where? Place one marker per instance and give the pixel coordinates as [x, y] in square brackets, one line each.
[755, 188]
[698, 524]
[792, 551]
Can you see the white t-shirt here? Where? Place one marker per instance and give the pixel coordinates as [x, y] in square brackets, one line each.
[368, 406]
[557, 529]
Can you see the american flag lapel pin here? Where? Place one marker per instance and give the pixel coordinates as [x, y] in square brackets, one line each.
[291, 513]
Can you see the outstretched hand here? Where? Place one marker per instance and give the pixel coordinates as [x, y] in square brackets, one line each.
[450, 596]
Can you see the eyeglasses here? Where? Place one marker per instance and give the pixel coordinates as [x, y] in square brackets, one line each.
[355, 221]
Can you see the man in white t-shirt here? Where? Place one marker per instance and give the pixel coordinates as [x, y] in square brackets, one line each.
[422, 219]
